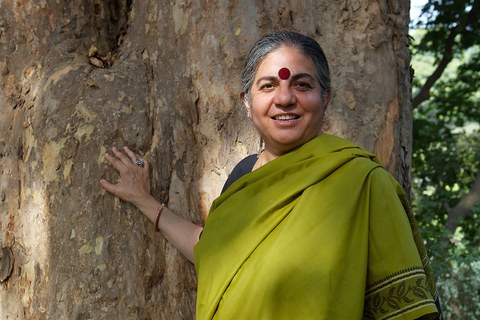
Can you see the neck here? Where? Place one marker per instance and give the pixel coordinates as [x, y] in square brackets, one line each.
[265, 157]
[270, 153]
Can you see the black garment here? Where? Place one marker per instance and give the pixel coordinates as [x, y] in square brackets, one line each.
[242, 168]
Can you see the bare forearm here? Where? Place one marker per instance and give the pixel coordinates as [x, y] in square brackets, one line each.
[182, 233]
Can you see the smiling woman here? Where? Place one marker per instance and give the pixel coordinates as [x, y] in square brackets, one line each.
[282, 241]
[287, 111]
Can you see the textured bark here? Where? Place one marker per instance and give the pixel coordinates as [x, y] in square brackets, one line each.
[162, 77]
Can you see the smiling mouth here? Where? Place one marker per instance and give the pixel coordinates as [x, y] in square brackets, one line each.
[286, 117]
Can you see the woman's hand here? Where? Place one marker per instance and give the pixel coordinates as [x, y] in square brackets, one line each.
[134, 183]
[134, 187]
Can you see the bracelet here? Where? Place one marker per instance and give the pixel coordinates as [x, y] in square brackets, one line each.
[159, 213]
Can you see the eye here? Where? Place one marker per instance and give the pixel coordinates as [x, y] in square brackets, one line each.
[302, 85]
[268, 86]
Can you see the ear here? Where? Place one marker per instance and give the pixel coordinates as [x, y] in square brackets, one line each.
[326, 97]
[246, 103]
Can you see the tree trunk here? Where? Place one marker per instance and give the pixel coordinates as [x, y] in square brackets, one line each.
[162, 77]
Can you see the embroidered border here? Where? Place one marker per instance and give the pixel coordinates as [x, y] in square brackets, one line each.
[397, 294]
[394, 277]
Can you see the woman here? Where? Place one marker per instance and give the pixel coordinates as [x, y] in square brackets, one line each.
[313, 227]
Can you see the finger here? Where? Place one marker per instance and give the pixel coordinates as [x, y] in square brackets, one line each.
[115, 162]
[110, 187]
[134, 156]
[122, 157]
[145, 165]
[130, 154]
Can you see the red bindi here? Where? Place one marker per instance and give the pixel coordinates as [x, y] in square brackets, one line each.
[284, 73]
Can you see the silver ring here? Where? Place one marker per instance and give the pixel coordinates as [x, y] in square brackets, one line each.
[138, 161]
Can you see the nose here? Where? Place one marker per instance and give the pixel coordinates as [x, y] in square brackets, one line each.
[284, 95]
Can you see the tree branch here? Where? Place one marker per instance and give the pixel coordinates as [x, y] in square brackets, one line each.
[464, 206]
[424, 93]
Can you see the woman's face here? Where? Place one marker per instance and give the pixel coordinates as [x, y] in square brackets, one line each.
[286, 111]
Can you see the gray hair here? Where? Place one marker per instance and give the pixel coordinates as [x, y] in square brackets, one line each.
[275, 40]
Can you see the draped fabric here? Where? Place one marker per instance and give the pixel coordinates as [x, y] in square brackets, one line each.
[323, 232]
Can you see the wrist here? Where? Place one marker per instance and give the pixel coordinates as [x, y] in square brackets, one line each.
[143, 202]
[149, 206]
[157, 218]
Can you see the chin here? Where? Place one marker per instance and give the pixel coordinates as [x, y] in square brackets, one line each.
[287, 146]
[291, 143]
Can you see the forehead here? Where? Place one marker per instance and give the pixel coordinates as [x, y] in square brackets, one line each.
[285, 57]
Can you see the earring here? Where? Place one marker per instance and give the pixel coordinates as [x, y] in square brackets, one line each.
[248, 113]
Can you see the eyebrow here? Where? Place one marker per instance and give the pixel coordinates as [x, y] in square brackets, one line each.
[294, 77]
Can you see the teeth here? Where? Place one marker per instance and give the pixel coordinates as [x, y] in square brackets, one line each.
[286, 117]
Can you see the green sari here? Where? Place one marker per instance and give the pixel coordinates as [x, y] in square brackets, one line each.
[323, 232]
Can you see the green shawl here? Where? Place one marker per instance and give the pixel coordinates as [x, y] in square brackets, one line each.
[323, 232]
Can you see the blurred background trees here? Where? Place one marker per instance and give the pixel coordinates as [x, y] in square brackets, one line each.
[446, 147]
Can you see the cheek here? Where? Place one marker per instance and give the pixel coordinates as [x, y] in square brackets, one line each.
[314, 104]
[259, 105]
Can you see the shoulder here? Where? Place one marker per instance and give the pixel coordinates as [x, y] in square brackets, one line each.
[246, 163]
[242, 168]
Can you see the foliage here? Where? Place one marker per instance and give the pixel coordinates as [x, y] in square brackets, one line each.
[458, 289]
[440, 18]
[446, 147]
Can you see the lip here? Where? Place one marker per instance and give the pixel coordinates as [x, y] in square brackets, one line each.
[285, 117]
[289, 120]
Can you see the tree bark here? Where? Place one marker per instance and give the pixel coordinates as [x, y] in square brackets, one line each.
[162, 77]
